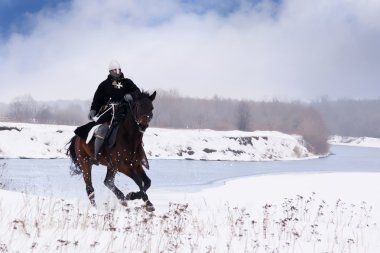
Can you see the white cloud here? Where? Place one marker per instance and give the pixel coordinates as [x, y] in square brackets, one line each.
[297, 50]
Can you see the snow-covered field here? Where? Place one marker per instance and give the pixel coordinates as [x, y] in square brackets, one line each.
[48, 141]
[325, 212]
[283, 213]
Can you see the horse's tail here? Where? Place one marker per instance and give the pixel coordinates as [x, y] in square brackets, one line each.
[74, 167]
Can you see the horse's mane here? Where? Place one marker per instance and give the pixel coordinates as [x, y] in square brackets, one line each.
[124, 107]
[143, 94]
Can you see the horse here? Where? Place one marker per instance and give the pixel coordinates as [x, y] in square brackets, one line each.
[126, 155]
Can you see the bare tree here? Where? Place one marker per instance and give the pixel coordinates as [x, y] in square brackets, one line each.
[23, 108]
[349, 117]
[243, 116]
[71, 115]
[45, 115]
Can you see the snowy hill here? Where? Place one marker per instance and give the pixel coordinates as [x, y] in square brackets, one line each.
[20, 140]
[355, 141]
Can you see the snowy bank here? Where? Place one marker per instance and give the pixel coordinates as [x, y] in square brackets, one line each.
[20, 140]
[331, 212]
[355, 141]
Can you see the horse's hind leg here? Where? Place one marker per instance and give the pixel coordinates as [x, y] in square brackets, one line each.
[146, 180]
[109, 181]
[86, 171]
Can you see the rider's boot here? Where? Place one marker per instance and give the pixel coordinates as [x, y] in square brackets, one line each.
[100, 135]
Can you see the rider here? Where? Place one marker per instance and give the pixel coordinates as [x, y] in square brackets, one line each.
[113, 89]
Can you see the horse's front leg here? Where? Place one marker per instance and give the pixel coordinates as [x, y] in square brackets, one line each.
[146, 182]
[109, 181]
[143, 182]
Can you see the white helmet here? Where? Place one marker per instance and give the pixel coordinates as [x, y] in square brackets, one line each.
[114, 65]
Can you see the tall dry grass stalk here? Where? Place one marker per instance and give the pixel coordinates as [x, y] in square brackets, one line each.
[299, 224]
[3, 176]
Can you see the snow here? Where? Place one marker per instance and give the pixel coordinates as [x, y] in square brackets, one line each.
[282, 213]
[303, 212]
[355, 141]
[19, 140]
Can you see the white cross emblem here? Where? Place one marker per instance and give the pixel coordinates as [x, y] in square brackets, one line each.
[117, 85]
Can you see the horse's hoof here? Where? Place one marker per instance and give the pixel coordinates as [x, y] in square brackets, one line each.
[93, 203]
[149, 206]
[124, 202]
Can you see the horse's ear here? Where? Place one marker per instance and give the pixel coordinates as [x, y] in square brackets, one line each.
[153, 96]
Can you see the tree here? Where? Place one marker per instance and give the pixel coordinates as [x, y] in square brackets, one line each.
[243, 116]
[23, 109]
[45, 115]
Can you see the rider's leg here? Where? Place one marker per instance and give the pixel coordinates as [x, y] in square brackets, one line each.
[100, 135]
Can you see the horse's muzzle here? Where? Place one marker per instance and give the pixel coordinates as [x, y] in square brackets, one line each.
[143, 122]
[142, 128]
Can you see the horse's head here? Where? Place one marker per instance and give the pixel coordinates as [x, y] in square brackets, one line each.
[143, 109]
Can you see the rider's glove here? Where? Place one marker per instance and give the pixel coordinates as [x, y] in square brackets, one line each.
[128, 98]
[91, 115]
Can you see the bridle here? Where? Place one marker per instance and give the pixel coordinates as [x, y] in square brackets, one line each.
[132, 108]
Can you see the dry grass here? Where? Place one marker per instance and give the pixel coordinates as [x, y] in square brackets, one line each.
[300, 224]
[3, 178]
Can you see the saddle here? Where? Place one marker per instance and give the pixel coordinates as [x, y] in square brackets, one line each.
[86, 132]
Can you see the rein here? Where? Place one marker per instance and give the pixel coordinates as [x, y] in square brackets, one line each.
[134, 117]
[111, 106]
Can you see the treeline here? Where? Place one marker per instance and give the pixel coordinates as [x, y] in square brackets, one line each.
[27, 109]
[174, 111]
[314, 121]
[349, 117]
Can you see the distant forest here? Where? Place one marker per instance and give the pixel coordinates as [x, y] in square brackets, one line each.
[314, 121]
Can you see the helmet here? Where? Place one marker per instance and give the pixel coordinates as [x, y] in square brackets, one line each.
[114, 65]
[114, 69]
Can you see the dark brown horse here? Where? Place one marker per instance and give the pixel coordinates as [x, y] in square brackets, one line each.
[126, 155]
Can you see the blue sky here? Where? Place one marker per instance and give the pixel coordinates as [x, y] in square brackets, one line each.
[14, 14]
[245, 49]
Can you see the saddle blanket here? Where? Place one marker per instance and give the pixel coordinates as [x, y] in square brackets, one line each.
[83, 131]
[87, 131]
[92, 133]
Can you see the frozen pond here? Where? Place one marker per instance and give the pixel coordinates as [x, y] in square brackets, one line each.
[51, 177]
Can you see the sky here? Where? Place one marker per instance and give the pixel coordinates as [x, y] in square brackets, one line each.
[241, 49]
